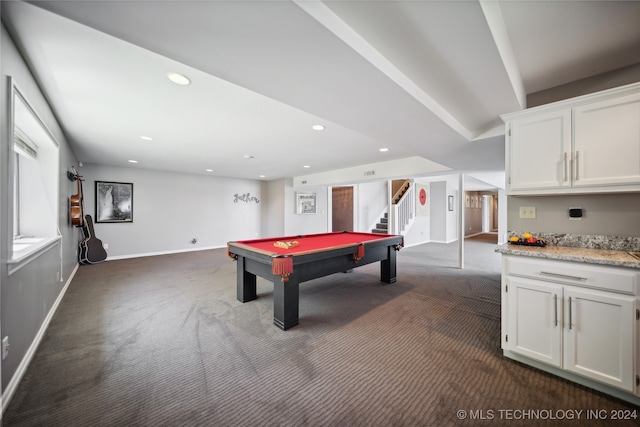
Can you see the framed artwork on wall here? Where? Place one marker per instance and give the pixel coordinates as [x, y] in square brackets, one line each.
[114, 201]
[305, 203]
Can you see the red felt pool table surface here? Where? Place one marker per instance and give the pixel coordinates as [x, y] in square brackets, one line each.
[310, 243]
[314, 256]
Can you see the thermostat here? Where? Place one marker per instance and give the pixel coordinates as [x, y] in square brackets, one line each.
[575, 213]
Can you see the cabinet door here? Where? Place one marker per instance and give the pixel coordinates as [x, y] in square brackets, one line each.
[607, 143]
[538, 151]
[599, 336]
[535, 320]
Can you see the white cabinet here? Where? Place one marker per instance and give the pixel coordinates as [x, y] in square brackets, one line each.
[606, 144]
[535, 320]
[599, 336]
[582, 145]
[564, 315]
[537, 151]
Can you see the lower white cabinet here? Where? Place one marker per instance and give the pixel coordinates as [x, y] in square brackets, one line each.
[599, 336]
[552, 315]
[535, 320]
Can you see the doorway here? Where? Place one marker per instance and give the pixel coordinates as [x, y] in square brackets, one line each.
[490, 213]
[342, 208]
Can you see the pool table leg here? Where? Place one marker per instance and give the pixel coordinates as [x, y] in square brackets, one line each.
[388, 266]
[286, 297]
[245, 282]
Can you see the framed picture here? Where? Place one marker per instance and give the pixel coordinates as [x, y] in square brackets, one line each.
[450, 203]
[114, 202]
[305, 203]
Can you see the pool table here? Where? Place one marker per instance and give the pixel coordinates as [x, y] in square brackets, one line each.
[289, 261]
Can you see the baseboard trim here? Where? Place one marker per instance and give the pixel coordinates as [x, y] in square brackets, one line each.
[145, 254]
[604, 388]
[26, 360]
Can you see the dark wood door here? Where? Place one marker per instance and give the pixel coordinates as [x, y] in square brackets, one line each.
[342, 215]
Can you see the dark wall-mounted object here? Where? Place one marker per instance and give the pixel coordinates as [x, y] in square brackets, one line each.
[575, 212]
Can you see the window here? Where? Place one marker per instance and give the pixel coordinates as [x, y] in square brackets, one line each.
[35, 178]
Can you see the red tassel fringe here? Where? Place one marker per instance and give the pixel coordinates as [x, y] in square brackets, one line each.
[282, 266]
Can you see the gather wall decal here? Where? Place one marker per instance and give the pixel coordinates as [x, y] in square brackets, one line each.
[246, 197]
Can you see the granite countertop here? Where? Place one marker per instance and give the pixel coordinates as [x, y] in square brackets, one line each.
[619, 258]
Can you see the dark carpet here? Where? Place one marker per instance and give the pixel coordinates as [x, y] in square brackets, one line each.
[162, 341]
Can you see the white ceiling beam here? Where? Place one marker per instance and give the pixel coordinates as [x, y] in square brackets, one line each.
[495, 20]
[325, 16]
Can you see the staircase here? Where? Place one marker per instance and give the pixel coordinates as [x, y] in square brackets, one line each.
[382, 227]
[403, 210]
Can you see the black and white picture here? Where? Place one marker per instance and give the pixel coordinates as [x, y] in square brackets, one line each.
[114, 202]
[306, 203]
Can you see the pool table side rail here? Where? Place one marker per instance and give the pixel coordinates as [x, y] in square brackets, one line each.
[376, 236]
[246, 244]
[294, 253]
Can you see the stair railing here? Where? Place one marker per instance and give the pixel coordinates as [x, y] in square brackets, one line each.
[403, 212]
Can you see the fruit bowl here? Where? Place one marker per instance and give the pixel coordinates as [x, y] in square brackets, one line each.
[539, 243]
[527, 239]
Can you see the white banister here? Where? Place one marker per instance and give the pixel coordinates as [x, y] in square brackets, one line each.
[403, 212]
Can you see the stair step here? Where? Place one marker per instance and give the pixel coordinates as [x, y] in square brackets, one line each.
[379, 231]
[382, 226]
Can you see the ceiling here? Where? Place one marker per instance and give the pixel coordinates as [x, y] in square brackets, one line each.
[419, 78]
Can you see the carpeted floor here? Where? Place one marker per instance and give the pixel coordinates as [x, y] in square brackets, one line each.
[162, 341]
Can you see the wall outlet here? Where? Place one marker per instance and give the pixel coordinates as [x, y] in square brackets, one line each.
[528, 212]
[105, 245]
[5, 347]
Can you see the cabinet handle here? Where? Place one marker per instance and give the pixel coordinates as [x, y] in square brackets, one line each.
[577, 166]
[564, 167]
[555, 308]
[569, 313]
[565, 276]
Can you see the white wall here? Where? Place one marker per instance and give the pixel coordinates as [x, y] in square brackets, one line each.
[171, 209]
[420, 230]
[295, 223]
[444, 223]
[438, 225]
[372, 197]
[272, 220]
[30, 295]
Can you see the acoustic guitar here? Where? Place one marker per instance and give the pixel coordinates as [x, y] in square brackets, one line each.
[76, 201]
[91, 248]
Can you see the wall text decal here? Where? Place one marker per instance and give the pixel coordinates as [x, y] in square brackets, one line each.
[247, 198]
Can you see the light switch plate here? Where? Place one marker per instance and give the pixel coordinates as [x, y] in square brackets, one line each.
[528, 212]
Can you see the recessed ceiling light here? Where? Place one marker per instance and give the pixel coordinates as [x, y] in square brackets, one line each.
[317, 127]
[262, 176]
[248, 156]
[146, 138]
[133, 161]
[306, 166]
[384, 150]
[179, 79]
[209, 170]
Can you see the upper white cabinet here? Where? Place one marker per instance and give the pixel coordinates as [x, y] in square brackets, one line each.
[538, 152]
[582, 145]
[606, 142]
